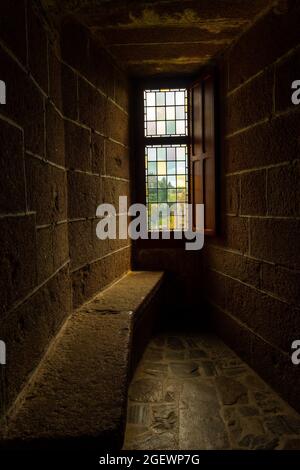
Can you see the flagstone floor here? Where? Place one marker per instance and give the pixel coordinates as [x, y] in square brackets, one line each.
[193, 392]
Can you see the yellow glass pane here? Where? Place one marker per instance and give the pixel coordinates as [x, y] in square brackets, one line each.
[181, 181]
[161, 168]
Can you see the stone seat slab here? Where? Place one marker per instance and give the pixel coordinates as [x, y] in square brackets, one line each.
[79, 392]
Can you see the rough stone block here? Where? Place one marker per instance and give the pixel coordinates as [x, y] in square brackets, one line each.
[116, 160]
[28, 330]
[46, 191]
[12, 177]
[37, 48]
[75, 46]
[235, 265]
[44, 246]
[39, 191]
[276, 241]
[265, 359]
[117, 126]
[25, 103]
[103, 247]
[81, 243]
[69, 82]
[231, 187]
[273, 320]
[77, 147]
[60, 245]
[284, 190]
[272, 36]
[253, 193]
[272, 142]
[55, 144]
[112, 190]
[236, 335]
[92, 107]
[18, 259]
[283, 282]
[236, 233]
[83, 190]
[215, 288]
[121, 90]
[94, 277]
[55, 79]
[251, 103]
[98, 154]
[101, 69]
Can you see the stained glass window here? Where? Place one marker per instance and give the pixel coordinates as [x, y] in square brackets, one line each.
[166, 186]
[165, 112]
[166, 163]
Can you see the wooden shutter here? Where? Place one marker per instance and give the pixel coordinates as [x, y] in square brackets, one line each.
[202, 148]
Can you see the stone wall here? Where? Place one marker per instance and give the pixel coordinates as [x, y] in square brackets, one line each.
[253, 267]
[97, 156]
[63, 151]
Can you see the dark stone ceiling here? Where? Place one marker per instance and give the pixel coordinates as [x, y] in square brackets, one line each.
[152, 37]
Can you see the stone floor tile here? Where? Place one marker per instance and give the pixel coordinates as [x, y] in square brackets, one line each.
[164, 417]
[186, 369]
[171, 354]
[231, 391]
[138, 414]
[155, 368]
[209, 399]
[145, 390]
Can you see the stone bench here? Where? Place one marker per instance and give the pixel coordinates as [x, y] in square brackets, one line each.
[78, 395]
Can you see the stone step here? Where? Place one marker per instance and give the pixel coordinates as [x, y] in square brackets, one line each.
[78, 394]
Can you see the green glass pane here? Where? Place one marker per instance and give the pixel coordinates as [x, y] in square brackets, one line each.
[151, 168]
[162, 195]
[152, 196]
[161, 168]
[160, 98]
[162, 181]
[170, 127]
[161, 153]
[171, 181]
[170, 98]
[152, 181]
[171, 195]
[181, 168]
[171, 168]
